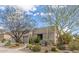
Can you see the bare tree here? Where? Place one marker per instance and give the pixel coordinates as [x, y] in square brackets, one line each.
[64, 18]
[17, 23]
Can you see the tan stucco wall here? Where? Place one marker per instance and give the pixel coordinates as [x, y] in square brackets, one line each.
[1, 36]
[6, 36]
[48, 34]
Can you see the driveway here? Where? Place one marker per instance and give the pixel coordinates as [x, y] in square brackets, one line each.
[8, 50]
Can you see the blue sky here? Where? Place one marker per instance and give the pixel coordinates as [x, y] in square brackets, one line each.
[39, 9]
[32, 10]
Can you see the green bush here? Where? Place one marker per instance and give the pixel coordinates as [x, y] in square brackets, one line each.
[29, 46]
[74, 45]
[31, 41]
[34, 40]
[36, 48]
[8, 43]
[37, 40]
[65, 38]
[61, 47]
[54, 49]
[3, 40]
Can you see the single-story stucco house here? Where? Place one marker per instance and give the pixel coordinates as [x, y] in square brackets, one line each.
[46, 33]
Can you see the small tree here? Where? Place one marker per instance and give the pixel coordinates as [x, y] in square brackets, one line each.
[65, 38]
[74, 45]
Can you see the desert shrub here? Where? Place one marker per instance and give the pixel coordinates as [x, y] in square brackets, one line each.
[74, 45]
[29, 46]
[8, 43]
[54, 49]
[46, 51]
[12, 46]
[3, 40]
[20, 41]
[61, 47]
[17, 44]
[37, 40]
[31, 41]
[36, 48]
[34, 40]
[65, 38]
[44, 42]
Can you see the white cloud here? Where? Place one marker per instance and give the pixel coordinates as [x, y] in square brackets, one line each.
[33, 9]
[1, 27]
[66, 28]
[28, 7]
[36, 14]
[42, 14]
[2, 8]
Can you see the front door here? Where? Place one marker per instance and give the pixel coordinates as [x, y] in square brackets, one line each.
[40, 36]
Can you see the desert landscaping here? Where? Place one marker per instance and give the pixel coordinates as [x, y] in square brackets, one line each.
[40, 29]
